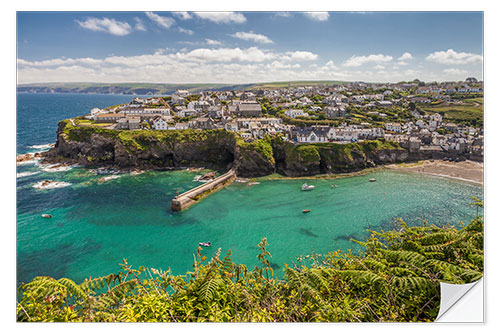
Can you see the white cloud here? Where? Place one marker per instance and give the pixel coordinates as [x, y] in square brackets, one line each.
[212, 42]
[330, 65]
[111, 26]
[186, 31]
[281, 65]
[317, 16]
[406, 56]
[402, 63]
[356, 61]
[139, 25]
[379, 67]
[451, 57]
[162, 21]
[222, 65]
[252, 54]
[454, 71]
[300, 56]
[222, 17]
[183, 15]
[258, 38]
[283, 14]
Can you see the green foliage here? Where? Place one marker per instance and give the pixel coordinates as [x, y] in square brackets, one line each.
[141, 140]
[308, 153]
[396, 278]
[261, 146]
[467, 111]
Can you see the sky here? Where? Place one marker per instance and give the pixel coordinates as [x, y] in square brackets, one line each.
[248, 47]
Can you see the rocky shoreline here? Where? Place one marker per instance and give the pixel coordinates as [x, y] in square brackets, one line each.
[216, 150]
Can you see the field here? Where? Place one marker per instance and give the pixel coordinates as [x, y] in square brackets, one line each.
[285, 84]
[468, 111]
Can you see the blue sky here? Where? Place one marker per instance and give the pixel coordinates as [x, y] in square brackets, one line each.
[244, 47]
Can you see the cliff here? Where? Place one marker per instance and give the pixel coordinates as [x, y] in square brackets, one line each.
[215, 149]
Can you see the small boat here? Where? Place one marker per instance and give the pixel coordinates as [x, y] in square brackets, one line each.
[306, 210]
[373, 180]
[46, 216]
[306, 187]
[205, 244]
[334, 186]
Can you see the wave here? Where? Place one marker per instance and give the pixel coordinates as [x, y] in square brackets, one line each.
[35, 160]
[27, 173]
[48, 185]
[56, 168]
[105, 179]
[46, 146]
[105, 171]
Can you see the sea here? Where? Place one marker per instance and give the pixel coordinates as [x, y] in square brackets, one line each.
[100, 218]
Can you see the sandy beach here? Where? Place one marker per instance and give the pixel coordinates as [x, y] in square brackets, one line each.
[467, 170]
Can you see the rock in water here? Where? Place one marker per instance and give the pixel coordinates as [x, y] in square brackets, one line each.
[208, 176]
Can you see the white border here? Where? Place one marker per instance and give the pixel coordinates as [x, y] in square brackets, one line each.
[8, 136]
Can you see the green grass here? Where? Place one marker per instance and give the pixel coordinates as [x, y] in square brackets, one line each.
[282, 84]
[468, 112]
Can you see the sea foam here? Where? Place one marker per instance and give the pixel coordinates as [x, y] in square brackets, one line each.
[56, 168]
[50, 185]
[27, 173]
[43, 147]
[105, 179]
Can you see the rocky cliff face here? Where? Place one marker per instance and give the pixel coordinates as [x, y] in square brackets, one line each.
[219, 150]
[304, 160]
[103, 148]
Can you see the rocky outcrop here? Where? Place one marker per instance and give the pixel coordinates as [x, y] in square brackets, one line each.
[27, 157]
[143, 151]
[251, 163]
[216, 149]
[302, 160]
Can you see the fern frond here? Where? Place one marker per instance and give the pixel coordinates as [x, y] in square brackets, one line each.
[413, 283]
[209, 288]
[73, 288]
[406, 256]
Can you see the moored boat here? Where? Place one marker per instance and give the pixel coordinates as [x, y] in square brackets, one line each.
[306, 210]
[373, 180]
[207, 244]
[46, 216]
[306, 187]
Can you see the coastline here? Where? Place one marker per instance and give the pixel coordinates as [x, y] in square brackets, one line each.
[276, 176]
[467, 171]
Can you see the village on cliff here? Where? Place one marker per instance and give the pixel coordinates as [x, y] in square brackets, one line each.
[419, 116]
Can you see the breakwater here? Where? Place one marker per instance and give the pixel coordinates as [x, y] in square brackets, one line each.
[188, 198]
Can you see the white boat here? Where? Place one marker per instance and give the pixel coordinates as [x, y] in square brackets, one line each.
[306, 187]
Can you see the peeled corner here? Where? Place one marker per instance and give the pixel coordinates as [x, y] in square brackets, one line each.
[462, 303]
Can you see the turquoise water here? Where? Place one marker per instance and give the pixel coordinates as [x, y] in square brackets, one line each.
[97, 224]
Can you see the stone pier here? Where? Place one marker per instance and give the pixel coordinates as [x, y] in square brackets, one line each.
[188, 198]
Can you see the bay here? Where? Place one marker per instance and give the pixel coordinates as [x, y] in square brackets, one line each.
[96, 224]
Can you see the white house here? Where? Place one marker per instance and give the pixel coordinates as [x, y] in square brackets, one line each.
[159, 123]
[312, 135]
[186, 113]
[94, 113]
[294, 113]
[394, 127]
[231, 126]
